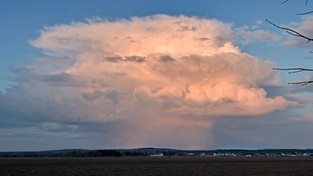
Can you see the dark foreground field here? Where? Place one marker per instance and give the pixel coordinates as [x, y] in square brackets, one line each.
[170, 166]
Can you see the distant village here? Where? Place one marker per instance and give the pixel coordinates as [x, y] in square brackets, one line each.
[239, 153]
[163, 152]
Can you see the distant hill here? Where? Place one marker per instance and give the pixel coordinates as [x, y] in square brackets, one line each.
[162, 151]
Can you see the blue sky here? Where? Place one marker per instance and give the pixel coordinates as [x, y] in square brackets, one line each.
[33, 90]
[24, 20]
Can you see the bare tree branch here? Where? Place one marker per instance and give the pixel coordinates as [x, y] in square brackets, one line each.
[297, 70]
[305, 13]
[296, 34]
[301, 83]
[291, 31]
[294, 70]
[306, 2]
[284, 1]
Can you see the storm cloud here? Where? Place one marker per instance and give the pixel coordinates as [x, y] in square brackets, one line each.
[158, 81]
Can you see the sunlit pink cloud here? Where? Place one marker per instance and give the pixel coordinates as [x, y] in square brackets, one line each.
[166, 77]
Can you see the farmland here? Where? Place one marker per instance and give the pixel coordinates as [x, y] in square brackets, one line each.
[119, 166]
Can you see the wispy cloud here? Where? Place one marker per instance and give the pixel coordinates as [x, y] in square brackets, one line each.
[254, 33]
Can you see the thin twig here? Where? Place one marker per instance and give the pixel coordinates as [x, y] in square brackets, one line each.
[306, 2]
[285, 1]
[297, 70]
[297, 34]
[305, 13]
[301, 83]
[294, 70]
[291, 31]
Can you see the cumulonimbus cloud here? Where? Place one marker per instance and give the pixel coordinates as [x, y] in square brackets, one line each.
[149, 72]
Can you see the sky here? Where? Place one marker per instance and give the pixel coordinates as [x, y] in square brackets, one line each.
[137, 73]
